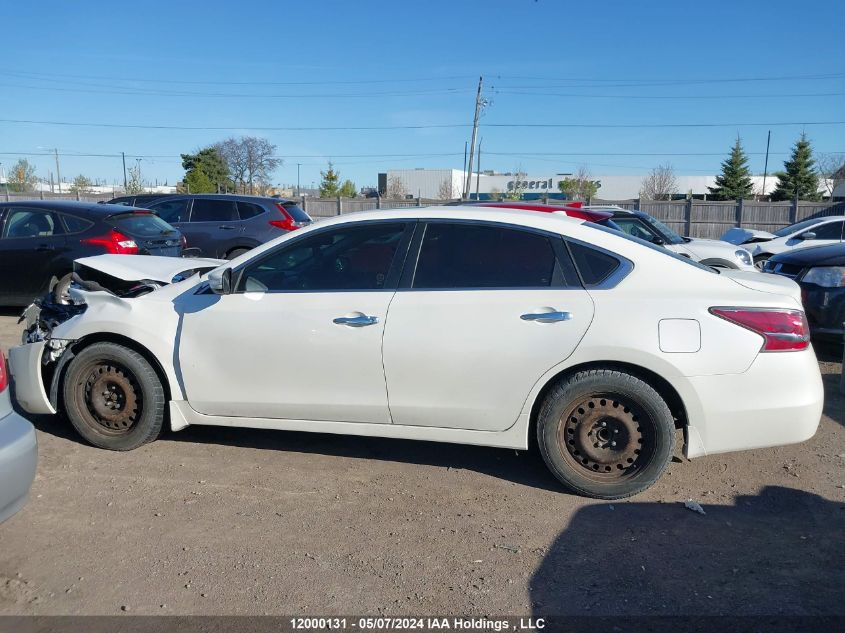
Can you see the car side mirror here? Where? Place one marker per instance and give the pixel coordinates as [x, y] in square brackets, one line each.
[220, 281]
[809, 235]
[659, 241]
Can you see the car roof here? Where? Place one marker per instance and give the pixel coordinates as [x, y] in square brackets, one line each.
[73, 206]
[229, 196]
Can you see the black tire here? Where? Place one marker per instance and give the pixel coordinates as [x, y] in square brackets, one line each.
[759, 260]
[59, 289]
[236, 252]
[113, 397]
[605, 434]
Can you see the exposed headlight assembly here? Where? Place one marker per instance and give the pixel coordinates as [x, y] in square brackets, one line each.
[744, 256]
[826, 276]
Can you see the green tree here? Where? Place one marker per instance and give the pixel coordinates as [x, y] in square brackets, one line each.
[735, 180]
[516, 189]
[580, 186]
[22, 176]
[348, 189]
[799, 178]
[81, 184]
[328, 185]
[206, 171]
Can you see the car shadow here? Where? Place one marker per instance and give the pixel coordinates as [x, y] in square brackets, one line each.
[780, 553]
[521, 467]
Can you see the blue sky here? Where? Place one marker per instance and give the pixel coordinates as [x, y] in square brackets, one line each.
[248, 64]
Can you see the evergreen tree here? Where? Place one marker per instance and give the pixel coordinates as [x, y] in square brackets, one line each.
[348, 189]
[799, 177]
[735, 180]
[206, 171]
[328, 185]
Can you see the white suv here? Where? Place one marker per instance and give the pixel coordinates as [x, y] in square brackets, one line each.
[762, 244]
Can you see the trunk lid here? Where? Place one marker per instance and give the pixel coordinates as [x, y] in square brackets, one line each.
[764, 282]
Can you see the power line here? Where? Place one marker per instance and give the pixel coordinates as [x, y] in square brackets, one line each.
[427, 126]
[697, 97]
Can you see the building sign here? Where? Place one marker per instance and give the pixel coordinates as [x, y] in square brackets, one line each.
[526, 185]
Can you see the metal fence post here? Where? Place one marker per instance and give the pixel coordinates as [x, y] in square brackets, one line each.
[42, 194]
[339, 206]
[77, 195]
[378, 200]
[793, 211]
[419, 201]
[688, 217]
[637, 204]
[739, 209]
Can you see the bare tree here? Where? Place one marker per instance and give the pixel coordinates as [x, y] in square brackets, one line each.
[250, 159]
[660, 184]
[395, 188]
[831, 168]
[134, 184]
[446, 191]
[517, 186]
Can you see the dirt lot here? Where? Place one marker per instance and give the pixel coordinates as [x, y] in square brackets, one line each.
[225, 521]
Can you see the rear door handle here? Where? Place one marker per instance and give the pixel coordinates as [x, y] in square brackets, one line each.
[356, 321]
[547, 317]
[227, 227]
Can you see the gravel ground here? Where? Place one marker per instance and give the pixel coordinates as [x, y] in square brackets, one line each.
[226, 521]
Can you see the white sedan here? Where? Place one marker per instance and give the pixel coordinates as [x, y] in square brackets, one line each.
[762, 244]
[449, 324]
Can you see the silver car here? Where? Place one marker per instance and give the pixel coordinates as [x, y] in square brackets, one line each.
[18, 452]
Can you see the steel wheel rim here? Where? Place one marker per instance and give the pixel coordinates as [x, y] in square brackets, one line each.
[608, 438]
[110, 398]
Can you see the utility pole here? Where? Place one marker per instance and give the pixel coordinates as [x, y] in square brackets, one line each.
[123, 156]
[465, 156]
[766, 166]
[478, 174]
[58, 171]
[297, 179]
[479, 103]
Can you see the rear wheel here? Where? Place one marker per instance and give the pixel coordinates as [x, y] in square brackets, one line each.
[237, 252]
[605, 434]
[113, 397]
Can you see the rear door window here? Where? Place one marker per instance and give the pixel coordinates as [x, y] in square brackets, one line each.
[75, 224]
[454, 255]
[141, 225]
[213, 211]
[25, 222]
[171, 211]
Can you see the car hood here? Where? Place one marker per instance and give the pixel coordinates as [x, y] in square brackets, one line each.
[763, 282]
[737, 235]
[830, 255]
[146, 267]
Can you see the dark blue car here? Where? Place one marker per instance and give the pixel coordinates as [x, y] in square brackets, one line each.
[820, 271]
[224, 225]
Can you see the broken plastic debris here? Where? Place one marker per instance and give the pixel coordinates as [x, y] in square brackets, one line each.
[689, 504]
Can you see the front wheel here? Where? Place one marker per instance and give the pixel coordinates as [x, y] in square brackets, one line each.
[113, 397]
[760, 261]
[605, 434]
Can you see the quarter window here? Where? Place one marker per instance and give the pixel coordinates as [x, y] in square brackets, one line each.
[75, 224]
[246, 210]
[593, 265]
[31, 223]
[349, 258]
[478, 256]
[213, 211]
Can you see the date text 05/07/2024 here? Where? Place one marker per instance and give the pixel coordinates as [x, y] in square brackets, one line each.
[417, 624]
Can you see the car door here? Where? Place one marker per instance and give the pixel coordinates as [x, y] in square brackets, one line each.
[301, 335]
[31, 241]
[489, 309]
[214, 225]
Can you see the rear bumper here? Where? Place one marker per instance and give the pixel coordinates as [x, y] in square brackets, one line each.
[777, 401]
[18, 459]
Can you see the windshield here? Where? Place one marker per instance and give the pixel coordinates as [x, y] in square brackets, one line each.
[798, 226]
[668, 234]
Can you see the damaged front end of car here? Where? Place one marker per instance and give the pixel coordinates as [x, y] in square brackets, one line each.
[102, 288]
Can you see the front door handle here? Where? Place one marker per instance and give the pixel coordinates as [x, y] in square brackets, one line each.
[227, 227]
[547, 317]
[356, 321]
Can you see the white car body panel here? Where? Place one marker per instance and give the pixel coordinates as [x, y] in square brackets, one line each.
[734, 397]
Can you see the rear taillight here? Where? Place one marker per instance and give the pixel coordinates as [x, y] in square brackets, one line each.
[782, 330]
[114, 242]
[288, 223]
[4, 374]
